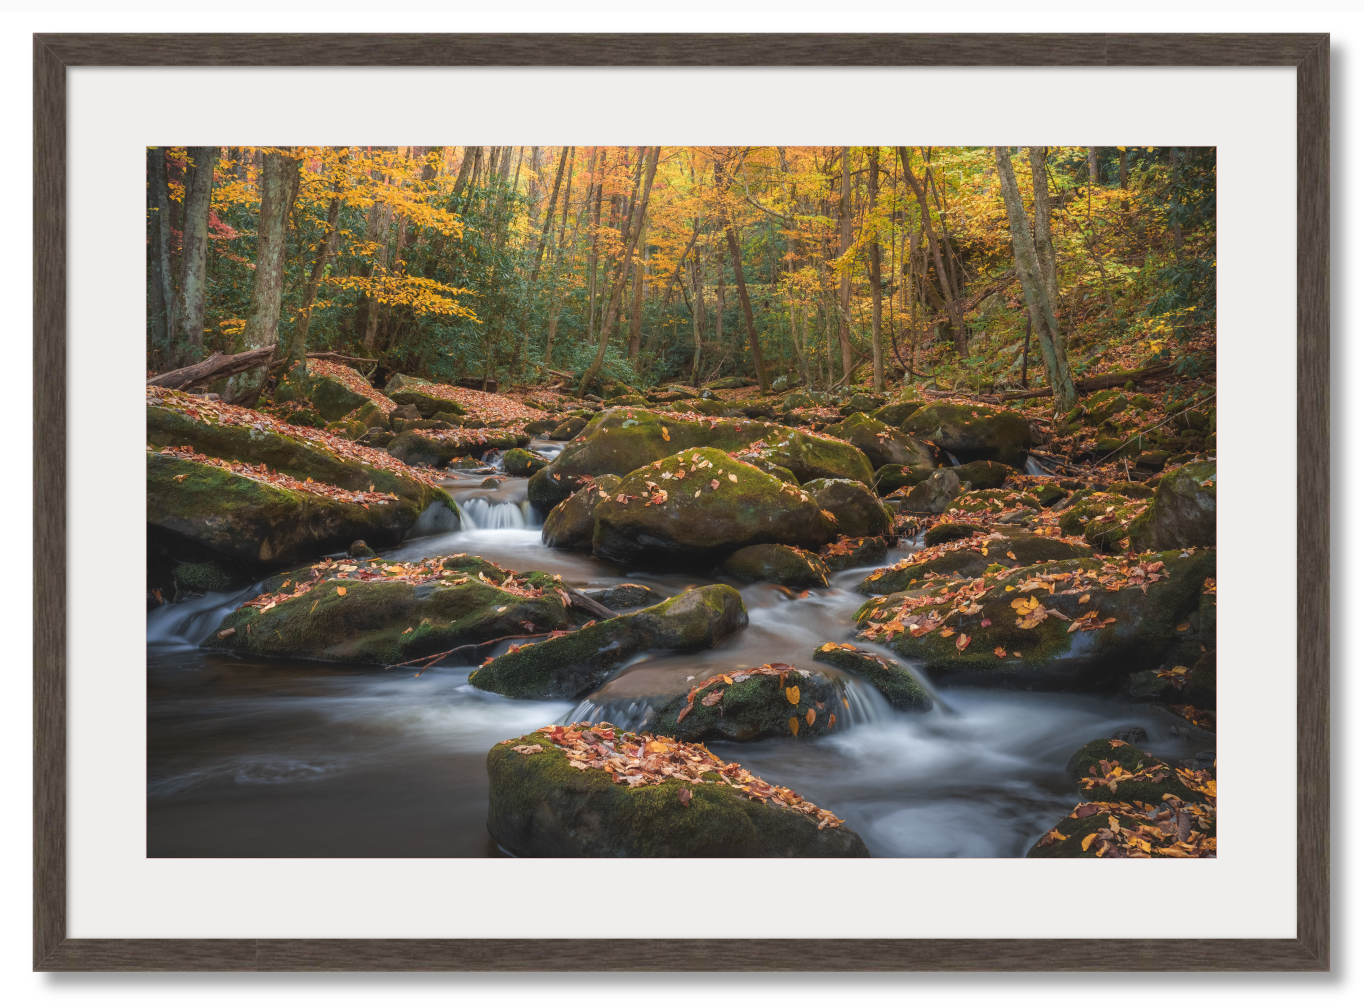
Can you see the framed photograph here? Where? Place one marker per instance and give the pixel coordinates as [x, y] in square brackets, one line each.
[716, 448]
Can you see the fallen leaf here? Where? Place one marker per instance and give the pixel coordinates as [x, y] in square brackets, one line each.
[1084, 599]
[832, 718]
[733, 478]
[1084, 843]
[963, 642]
[226, 633]
[528, 749]
[714, 484]
[666, 438]
[794, 724]
[1181, 627]
[341, 591]
[684, 795]
[713, 698]
[947, 632]
[1001, 652]
[810, 716]
[793, 694]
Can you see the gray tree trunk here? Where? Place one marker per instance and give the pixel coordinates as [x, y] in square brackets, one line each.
[1041, 221]
[845, 284]
[877, 354]
[298, 343]
[158, 218]
[188, 310]
[698, 312]
[1040, 306]
[279, 184]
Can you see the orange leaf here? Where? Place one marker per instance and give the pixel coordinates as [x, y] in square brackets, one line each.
[810, 716]
[963, 642]
[341, 591]
[1001, 652]
[684, 795]
[1084, 843]
[665, 433]
[795, 727]
[793, 694]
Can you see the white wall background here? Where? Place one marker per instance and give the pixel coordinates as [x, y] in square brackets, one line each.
[24, 987]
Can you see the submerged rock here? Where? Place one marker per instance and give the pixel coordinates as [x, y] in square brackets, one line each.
[900, 688]
[771, 701]
[569, 525]
[594, 792]
[567, 666]
[398, 613]
[974, 432]
[695, 507]
[857, 511]
[777, 564]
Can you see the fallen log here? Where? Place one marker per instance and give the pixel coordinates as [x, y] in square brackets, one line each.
[1094, 384]
[217, 366]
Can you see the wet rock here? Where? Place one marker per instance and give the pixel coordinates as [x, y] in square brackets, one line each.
[983, 475]
[734, 381]
[861, 402]
[777, 564]
[1131, 490]
[993, 504]
[1201, 689]
[948, 531]
[974, 432]
[849, 553]
[889, 478]
[536, 427]
[359, 550]
[439, 447]
[965, 559]
[857, 511]
[333, 400]
[625, 596]
[1131, 735]
[565, 667]
[541, 806]
[204, 577]
[1030, 647]
[1153, 460]
[882, 444]
[900, 688]
[520, 462]
[1104, 519]
[1183, 512]
[569, 525]
[697, 506]
[428, 399]
[933, 495]
[568, 429]
[774, 701]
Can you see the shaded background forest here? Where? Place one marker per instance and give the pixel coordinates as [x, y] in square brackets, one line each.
[640, 265]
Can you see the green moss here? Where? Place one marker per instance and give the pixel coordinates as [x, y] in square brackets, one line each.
[520, 462]
[777, 564]
[889, 478]
[570, 523]
[948, 531]
[900, 688]
[333, 400]
[974, 433]
[856, 509]
[754, 707]
[882, 444]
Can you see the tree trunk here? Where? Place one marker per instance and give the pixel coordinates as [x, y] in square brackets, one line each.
[556, 295]
[279, 183]
[637, 300]
[379, 272]
[1093, 160]
[1122, 175]
[162, 293]
[1041, 222]
[736, 259]
[622, 272]
[698, 313]
[1176, 231]
[958, 325]
[845, 283]
[1040, 305]
[298, 343]
[877, 358]
[188, 311]
[597, 159]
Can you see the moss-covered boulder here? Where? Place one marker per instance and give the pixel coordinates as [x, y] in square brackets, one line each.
[568, 429]
[303, 454]
[565, 667]
[932, 495]
[538, 427]
[733, 381]
[882, 444]
[427, 399]
[1131, 490]
[895, 414]
[889, 478]
[397, 613]
[263, 524]
[1104, 519]
[771, 701]
[1072, 624]
[949, 531]
[994, 504]
[848, 553]
[333, 400]
[856, 509]
[1183, 512]
[974, 432]
[620, 597]
[570, 524]
[983, 475]
[1133, 804]
[695, 507]
[901, 689]
[777, 564]
[645, 797]
[970, 557]
[439, 447]
[619, 441]
[520, 462]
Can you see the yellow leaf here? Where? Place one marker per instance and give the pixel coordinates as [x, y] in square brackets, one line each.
[728, 680]
[1181, 627]
[810, 716]
[795, 727]
[1084, 599]
[665, 433]
[828, 647]
[793, 694]
[1084, 843]
[341, 591]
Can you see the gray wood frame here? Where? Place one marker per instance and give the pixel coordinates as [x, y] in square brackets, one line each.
[52, 54]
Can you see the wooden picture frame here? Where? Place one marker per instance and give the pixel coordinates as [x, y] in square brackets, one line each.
[53, 54]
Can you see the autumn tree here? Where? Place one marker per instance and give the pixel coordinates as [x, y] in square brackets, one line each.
[187, 312]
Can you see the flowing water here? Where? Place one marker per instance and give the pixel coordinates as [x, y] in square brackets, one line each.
[248, 757]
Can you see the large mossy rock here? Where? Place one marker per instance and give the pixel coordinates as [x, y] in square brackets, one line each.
[619, 441]
[753, 704]
[522, 463]
[889, 478]
[847, 553]
[969, 556]
[1183, 512]
[777, 564]
[568, 666]
[901, 689]
[350, 467]
[1104, 519]
[857, 511]
[984, 475]
[1008, 645]
[974, 432]
[427, 398]
[541, 805]
[700, 505]
[932, 495]
[570, 524]
[1133, 804]
[256, 523]
[390, 620]
[882, 444]
[439, 448]
[895, 414]
[333, 400]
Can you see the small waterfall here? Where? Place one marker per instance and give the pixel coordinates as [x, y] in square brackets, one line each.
[186, 624]
[483, 513]
[627, 714]
[1034, 468]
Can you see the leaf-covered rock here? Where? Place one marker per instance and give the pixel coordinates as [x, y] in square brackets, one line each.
[970, 556]
[882, 444]
[565, 667]
[570, 524]
[983, 475]
[770, 701]
[438, 448]
[777, 564]
[847, 553]
[974, 432]
[857, 511]
[900, 688]
[1183, 512]
[889, 478]
[520, 462]
[932, 495]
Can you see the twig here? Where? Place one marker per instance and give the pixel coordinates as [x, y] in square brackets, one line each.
[434, 658]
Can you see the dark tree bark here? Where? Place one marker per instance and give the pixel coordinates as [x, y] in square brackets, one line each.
[188, 312]
[298, 343]
[921, 194]
[877, 355]
[279, 185]
[845, 284]
[161, 295]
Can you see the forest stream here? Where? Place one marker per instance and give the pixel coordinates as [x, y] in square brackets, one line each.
[289, 758]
